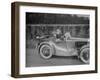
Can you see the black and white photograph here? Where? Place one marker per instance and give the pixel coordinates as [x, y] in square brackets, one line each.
[57, 39]
[52, 39]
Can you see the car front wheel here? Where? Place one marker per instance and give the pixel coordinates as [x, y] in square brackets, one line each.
[84, 55]
[46, 51]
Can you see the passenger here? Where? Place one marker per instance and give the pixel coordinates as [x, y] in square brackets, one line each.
[58, 34]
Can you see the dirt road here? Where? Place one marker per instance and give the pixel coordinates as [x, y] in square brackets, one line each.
[33, 59]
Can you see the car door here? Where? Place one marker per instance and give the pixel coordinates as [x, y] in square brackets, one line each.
[65, 48]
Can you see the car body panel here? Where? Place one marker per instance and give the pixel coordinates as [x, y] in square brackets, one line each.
[64, 49]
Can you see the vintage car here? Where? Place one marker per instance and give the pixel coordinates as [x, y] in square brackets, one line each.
[65, 46]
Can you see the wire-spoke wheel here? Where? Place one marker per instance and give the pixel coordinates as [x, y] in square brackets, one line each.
[84, 55]
[46, 51]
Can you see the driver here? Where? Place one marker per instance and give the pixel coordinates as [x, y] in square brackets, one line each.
[67, 35]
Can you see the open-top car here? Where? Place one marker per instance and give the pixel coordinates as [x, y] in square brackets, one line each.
[66, 45]
[62, 40]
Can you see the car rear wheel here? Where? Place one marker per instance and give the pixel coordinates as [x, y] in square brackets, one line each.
[46, 51]
[84, 55]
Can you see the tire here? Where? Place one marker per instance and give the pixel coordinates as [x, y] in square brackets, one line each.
[46, 51]
[84, 54]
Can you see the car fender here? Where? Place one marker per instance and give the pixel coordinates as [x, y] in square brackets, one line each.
[85, 46]
[49, 43]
